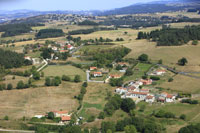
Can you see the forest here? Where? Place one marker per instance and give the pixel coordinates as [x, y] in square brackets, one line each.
[10, 59]
[49, 33]
[88, 31]
[172, 36]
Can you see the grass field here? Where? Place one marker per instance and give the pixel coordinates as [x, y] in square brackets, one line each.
[94, 100]
[59, 70]
[33, 101]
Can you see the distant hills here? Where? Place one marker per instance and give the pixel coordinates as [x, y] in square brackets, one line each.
[151, 7]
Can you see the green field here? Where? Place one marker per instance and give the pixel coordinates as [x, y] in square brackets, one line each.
[59, 70]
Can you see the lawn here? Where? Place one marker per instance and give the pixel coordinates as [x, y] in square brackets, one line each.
[59, 70]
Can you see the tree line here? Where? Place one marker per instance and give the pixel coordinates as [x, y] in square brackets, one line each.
[49, 33]
[172, 36]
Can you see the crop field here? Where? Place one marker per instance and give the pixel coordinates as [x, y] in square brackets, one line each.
[34, 101]
[59, 70]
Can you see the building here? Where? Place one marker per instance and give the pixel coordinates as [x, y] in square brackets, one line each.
[150, 99]
[121, 90]
[65, 118]
[97, 74]
[146, 81]
[115, 76]
[93, 68]
[160, 72]
[122, 64]
[144, 90]
[138, 95]
[39, 116]
[70, 47]
[60, 113]
[28, 58]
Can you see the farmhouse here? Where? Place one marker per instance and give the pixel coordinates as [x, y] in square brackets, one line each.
[93, 68]
[168, 97]
[115, 76]
[160, 72]
[139, 95]
[97, 74]
[70, 47]
[60, 113]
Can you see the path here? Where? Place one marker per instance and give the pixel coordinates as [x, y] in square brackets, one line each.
[16, 131]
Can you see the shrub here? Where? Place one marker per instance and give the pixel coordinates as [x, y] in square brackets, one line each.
[91, 119]
[183, 117]
[155, 78]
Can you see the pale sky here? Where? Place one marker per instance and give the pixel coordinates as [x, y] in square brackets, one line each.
[47, 5]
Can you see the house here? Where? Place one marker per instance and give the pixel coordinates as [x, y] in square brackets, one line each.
[39, 116]
[122, 64]
[121, 90]
[97, 74]
[54, 48]
[150, 99]
[144, 90]
[70, 47]
[115, 76]
[93, 68]
[146, 81]
[168, 97]
[63, 51]
[160, 72]
[65, 118]
[28, 58]
[60, 113]
[138, 95]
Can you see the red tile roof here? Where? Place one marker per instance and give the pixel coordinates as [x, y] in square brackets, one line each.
[149, 97]
[139, 93]
[66, 118]
[60, 112]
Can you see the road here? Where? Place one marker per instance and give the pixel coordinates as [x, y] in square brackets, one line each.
[45, 64]
[181, 73]
[16, 131]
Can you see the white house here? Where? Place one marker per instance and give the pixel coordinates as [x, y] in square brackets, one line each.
[139, 95]
[160, 72]
[60, 113]
[39, 116]
[97, 74]
[150, 99]
[121, 90]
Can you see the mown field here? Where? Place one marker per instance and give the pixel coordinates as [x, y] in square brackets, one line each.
[33, 101]
[59, 70]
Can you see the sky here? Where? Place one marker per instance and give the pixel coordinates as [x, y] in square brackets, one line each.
[49, 5]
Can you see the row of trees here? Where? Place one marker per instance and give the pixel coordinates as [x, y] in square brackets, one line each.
[49, 33]
[172, 36]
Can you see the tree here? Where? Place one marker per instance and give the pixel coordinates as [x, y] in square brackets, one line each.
[46, 53]
[94, 130]
[101, 115]
[20, 85]
[77, 78]
[183, 61]
[9, 87]
[194, 42]
[105, 126]
[118, 67]
[130, 129]
[6, 118]
[36, 75]
[127, 105]
[66, 78]
[183, 117]
[129, 72]
[143, 57]
[51, 115]
[85, 84]
[48, 81]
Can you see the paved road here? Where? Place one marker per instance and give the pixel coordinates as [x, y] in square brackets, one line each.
[16, 131]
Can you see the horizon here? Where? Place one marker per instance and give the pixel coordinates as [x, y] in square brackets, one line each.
[51, 5]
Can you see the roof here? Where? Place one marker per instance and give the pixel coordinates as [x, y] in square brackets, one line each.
[97, 72]
[144, 90]
[93, 67]
[149, 97]
[60, 112]
[69, 46]
[122, 88]
[169, 96]
[66, 118]
[161, 71]
[131, 88]
[139, 93]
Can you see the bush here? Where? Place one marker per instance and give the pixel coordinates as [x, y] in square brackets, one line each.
[9, 87]
[170, 79]
[143, 57]
[101, 115]
[189, 101]
[155, 78]
[183, 117]
[77, 78]
[66, 78]
[85, 84]
[91, 119]
[6, 118]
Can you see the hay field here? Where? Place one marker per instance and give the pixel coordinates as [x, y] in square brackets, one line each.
[33, 101]
[59, 70]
